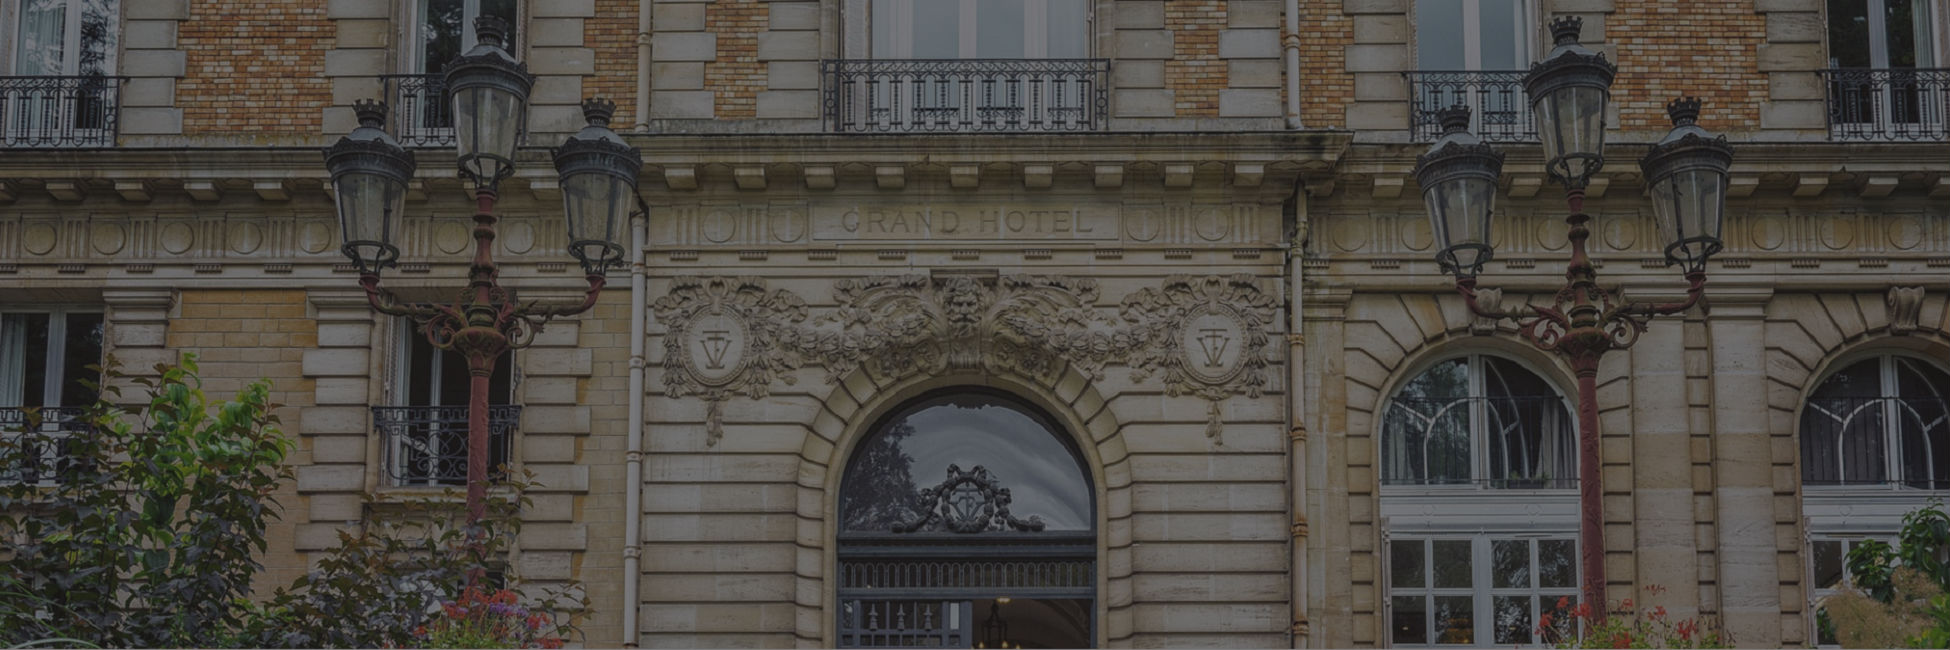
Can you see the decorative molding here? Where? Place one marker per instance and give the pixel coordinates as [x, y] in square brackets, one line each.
[727, 337]
[1207, 338]
[1905, 305]
[1491, 300]
[968, 502]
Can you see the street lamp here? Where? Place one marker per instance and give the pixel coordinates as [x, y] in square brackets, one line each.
[370, 170]
[1686, 173]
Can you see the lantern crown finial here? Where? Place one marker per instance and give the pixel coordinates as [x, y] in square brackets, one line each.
[1566, 30]
[1454, 119]
[371, 113]
[1684, 111]
[491, 31]
[598, 111]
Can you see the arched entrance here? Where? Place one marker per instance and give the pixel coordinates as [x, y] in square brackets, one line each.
[967, 519]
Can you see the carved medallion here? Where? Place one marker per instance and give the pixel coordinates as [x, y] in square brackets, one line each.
[1210, 338]
[968, 502]
[727, 336]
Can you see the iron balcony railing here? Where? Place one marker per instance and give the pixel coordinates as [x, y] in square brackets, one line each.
[35, 444]
[1888, 103]
[961, 95]
[1495, 442]
[421, 117]
[1499, 109]
[427, 445]
[1876, 441]
[59, 112]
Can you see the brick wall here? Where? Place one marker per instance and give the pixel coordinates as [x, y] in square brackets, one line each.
[255, 67]
[240, 336]
[1713, 41]
[736, 75]
[1326, 87]
[612, 36]
[1195, 74]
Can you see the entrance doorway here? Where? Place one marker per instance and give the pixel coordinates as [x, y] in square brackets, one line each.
[967, 520]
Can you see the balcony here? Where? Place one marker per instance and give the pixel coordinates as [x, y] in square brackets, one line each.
[421, 115]
[1901, 104]
[966, 95]
[58, 112]
[36, 448]
[427, 445]
[1497, 104]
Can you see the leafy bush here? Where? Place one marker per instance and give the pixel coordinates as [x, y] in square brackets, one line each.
[1573, 626]
[1897, 594]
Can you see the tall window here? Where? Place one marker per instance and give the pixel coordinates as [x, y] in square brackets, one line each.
[1883, 421]
[1473, 53]
[44, 360]
[426, 430]
[62, 52]
[980, 29]
[1481, 590]
[1478, 420]
[1880, 51]
[442, 30]
[1880, 34]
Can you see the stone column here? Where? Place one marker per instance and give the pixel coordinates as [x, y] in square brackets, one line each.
[1661, 470]
[336, 430]
[1743, 490]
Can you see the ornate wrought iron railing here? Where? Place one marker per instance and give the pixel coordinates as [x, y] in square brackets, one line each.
[1888, 103]
[421, 115]
[1524, 442]
[35, 443]
[956, 95]
[1852, 441]
[427, 445]
[59, 112]
[1495, 98]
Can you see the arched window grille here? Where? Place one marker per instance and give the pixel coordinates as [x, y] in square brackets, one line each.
[1879, 421]
[1479, 420]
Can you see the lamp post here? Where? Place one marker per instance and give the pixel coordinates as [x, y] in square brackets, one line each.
[370, 170]
[1686, 173]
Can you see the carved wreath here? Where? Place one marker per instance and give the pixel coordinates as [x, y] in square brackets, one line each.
[1164, 313]
[967, 502]
[768, 319]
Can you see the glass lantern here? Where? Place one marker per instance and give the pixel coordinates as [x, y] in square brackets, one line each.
[1568, 93]
[1687, 174]
[1458, 177]
[369, 174]
[599, 176]
[489, 92]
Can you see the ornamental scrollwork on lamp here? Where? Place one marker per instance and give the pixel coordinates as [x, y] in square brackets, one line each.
[967, 502]
[727, 336]
[1206, 338]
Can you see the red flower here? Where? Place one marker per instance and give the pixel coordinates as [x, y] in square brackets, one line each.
[1583, 610]
[1626, 605]
[1621, 640]
[1687, 628]
[1563, 602]
[1659, 612]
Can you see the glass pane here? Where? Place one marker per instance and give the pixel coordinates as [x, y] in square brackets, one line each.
[936, 29]
[97, 37]
[83, 349]
[1900, 23]
[1843, 435]
[1510, 564]
[1425, 438]
[1406, 566]
[440, 30]
[914, 449]
[999, 29]
[1455, 620]
[27, 333]
[505, 10]
[1439, 35]
[1530, 439]
[1848, 33]
[1828, 564]
[1557, 561]
[1512, 618]
[1922, 409]
[1452, 563]
[43, 25]
[1410, 619]
[1069, 29]
[1505, 42]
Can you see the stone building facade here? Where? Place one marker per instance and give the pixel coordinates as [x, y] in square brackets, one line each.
[1178, 239]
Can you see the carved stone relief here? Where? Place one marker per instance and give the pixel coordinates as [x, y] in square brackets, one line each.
[1201, 336]
[1905, 305]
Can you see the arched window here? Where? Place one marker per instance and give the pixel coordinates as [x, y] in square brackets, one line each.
[1879, 421]
[1478, 420]
[967, 517]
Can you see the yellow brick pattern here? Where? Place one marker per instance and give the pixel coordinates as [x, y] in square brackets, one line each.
[255, 67]
[1713, 44]
[612, 36]
[736, 76]
[241, 336]
[1326, 87]
[1195, 74]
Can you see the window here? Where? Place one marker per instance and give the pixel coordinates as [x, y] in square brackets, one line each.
[443, 30]
[1478, 420]
[1473, 53]
[61, 54]
[1829, 557]
[1480, 590]
[980, 29]
[1881, 53]
[44, 366]
[1883, 421]
[426, 434]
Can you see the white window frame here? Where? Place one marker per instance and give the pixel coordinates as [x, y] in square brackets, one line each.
[416, 25]
[1482, 592]
[1478, 423]
[1817, 593]
[1937, 38]
[57, 355]
[1892, 456]
[1529, 26]
[398, 391]
[10, 26]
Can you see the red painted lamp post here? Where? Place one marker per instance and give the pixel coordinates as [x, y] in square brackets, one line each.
[370, 171]
[1687, 175]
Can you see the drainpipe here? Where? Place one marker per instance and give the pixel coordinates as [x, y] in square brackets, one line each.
[1296, 402]
[643, 66]
[633, 458]
[1291, 41]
